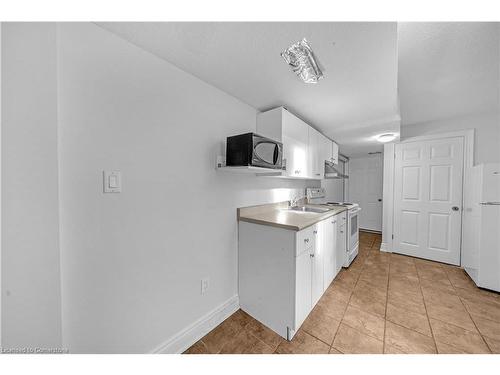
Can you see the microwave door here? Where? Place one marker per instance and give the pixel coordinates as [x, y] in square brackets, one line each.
[265, 154]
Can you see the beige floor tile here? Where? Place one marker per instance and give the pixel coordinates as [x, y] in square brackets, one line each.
[334, 309]
[407, 340]
[198, 348]
[457, 316]
[458, 337]
[321, 325]
[459, 278]
[409, 319]
[388, 349]
[448, 349]
[346, 279]
[398, 258]
[493, 344]
[479, 295]
[404, 285]
[435, 274]
[483, 308]
[351, 341]
[367, 323]
[406, 300]
[303, 343]
[334, 351]
[336, 293]
[224, 332]
[369, 302]
[487, 327]
[374, 278]
[442, 297]
[264, 334]
[246, 343]
[426, 283]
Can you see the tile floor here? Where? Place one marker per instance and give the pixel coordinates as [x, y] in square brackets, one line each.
[383, 303]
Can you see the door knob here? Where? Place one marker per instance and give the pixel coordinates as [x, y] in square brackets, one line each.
[455, 208]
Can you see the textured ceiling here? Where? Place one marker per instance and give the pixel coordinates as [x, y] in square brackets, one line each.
[447, 70]
[356, 99]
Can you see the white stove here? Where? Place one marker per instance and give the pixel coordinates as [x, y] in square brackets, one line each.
[317, 196]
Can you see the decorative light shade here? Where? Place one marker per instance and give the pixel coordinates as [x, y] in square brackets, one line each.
[301, 59]
[384, 138]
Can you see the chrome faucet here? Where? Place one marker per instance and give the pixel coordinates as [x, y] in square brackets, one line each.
[294, 202]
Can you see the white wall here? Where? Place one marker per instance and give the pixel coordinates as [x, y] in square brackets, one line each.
[31, 304]
[487, 133]
[132, 262]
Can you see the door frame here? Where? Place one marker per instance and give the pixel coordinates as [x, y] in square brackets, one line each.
[468, 162]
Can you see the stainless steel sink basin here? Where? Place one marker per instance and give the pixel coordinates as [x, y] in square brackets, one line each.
[309, 209]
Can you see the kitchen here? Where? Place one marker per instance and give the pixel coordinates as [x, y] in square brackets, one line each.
[251, 187]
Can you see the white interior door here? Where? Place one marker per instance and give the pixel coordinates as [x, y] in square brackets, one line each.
[365, 188]
[428, 199]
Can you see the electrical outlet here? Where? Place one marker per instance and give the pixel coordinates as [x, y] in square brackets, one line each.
[205, 284]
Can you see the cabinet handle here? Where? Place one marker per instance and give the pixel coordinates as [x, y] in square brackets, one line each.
[306, 240]
[315, 232]
[318, 174]
[341, 231]
[311, 255]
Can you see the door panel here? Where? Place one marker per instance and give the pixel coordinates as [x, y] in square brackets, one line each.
[329, 266]
[317, 265]
[428, 185]
[365, 188]
[302, 288]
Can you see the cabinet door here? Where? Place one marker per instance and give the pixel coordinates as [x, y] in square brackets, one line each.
[329, 245]
[295, 145]
[317, 264]
[302, 287]
[315, 153]
[335, 153]
[340, 249]
[327, 149]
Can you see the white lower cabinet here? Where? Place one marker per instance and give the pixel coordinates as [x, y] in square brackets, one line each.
[303, 291]
[341, 245]
[330, 269]
[283, 273]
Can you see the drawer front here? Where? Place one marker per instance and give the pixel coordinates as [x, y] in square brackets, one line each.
[306, 239]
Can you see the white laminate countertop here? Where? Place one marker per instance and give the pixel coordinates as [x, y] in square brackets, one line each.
[278, 215]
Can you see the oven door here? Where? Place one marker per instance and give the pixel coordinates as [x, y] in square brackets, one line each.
[266, 153]
[353, 228]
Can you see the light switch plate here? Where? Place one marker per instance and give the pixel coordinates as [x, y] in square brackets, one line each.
[112, 181]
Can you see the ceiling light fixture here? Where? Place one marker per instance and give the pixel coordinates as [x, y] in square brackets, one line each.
[384, 138]
[301, 59]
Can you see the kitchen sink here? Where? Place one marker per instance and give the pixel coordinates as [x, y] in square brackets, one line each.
[309, 209]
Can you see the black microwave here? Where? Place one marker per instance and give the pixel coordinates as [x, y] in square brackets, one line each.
[251, 149]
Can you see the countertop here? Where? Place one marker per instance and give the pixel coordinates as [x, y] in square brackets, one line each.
[278, 215]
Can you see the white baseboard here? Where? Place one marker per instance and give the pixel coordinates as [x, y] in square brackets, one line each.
[189, 335]
[385, 247]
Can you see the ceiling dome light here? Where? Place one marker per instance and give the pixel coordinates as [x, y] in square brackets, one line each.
[384, 138]
[301, 59]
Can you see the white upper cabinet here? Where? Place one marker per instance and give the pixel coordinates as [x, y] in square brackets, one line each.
[335, 153]
[304, 148]
[315, 153]
[295, 138]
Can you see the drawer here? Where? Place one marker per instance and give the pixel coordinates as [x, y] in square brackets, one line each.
[306, 239]
[342, 217]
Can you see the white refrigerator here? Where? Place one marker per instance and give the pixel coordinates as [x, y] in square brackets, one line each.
[481, 247]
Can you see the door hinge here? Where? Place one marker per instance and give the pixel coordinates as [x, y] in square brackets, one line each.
[393, 236]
